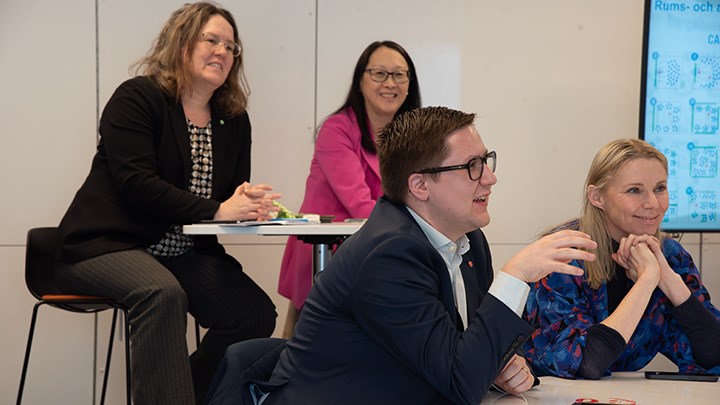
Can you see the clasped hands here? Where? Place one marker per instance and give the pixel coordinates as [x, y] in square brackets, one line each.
[638, 255]
[251, 202]
[642, 258]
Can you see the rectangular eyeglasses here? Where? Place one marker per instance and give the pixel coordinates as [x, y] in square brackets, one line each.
[474, 166]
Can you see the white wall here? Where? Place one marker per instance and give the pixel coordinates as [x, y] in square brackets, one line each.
[48, 135]
[550, 80]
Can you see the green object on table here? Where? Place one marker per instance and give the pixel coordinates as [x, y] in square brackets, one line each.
[284, 212]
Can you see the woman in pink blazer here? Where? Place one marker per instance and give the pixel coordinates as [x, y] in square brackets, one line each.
[344, 178]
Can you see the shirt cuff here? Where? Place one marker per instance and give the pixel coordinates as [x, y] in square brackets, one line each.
[511, 291]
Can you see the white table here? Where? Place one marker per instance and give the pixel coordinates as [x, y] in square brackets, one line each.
[626, 385]
[321, 236]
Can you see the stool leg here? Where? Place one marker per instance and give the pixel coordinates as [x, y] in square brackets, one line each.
[128, 375]
[109, 356]
[27, 351]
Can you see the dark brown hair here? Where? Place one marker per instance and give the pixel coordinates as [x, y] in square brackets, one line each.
[413, 141]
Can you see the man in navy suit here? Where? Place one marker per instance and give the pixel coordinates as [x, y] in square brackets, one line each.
[407, 311]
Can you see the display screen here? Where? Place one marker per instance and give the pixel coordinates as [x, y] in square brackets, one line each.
[680, 106]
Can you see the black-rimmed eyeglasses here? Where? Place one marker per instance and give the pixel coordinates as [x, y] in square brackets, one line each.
[380, 75]
[474, 166]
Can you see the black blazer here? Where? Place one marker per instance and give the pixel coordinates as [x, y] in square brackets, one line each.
[137, 186]
[380, 324]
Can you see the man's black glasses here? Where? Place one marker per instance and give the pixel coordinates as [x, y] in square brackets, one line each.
[474, 166]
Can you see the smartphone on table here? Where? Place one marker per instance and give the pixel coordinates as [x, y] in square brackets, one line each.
[669, 375]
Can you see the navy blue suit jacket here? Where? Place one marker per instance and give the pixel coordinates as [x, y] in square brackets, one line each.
[380, 324]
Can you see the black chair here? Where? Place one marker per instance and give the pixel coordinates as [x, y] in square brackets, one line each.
[40, 280]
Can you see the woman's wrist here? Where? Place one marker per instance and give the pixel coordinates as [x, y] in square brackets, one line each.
[672, 285]
[219, 214]
[651, 278]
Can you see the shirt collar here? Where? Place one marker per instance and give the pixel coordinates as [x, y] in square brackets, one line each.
[446, 247]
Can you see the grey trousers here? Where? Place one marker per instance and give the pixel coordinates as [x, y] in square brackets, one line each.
[159, 293]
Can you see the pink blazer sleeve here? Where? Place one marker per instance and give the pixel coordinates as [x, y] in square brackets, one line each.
[351, 174]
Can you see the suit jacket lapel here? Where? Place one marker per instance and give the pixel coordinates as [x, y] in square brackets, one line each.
[476, 268]
[222, 141]
[472, 288]
[370, 158]
[447, 296]
[372, 162]
[182, 138]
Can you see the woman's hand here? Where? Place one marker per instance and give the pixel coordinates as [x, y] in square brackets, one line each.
[643, 264]
[638, 258]
[670, 283]
[252, 202]
[642, 267]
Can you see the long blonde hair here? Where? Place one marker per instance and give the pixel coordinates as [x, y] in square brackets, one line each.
[167, 62]
[606, 164]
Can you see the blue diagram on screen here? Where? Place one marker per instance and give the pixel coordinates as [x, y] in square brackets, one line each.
[681, 107]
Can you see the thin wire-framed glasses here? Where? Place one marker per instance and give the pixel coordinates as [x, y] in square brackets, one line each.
[213, 42]
[380, 75]
[474, 166]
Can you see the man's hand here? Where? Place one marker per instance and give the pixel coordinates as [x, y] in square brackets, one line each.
[516, 377]
[550, 254]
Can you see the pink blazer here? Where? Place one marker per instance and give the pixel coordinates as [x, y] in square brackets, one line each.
[344, 181]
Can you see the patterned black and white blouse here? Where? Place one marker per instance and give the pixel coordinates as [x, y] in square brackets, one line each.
[175, 242]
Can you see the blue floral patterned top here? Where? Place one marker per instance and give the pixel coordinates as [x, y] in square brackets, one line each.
[562, 307]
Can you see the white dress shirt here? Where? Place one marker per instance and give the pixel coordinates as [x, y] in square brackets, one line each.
[510, 290]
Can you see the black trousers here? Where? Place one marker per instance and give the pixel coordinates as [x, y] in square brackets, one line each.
[159, 293]
[245, 361]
